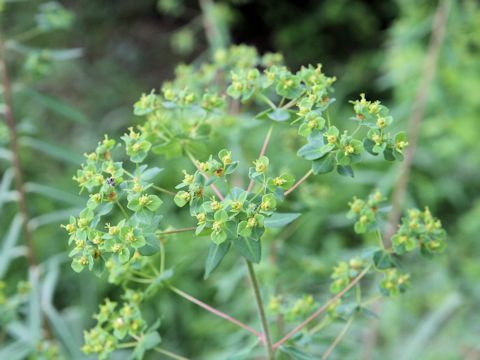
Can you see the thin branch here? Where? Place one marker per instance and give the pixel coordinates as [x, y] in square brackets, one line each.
[418, 112]
[262, 152]
[322, 308]
[176, 231]
[19, 182]
[214, 188]
[261, 311]
[165, 191]
[338, 338]
[299, 182]
[215, 311]
[169, 354]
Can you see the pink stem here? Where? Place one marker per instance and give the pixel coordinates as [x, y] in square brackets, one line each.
[321, 309]
[262, 152]
[214, 188]
[299, 182]
[217, 312]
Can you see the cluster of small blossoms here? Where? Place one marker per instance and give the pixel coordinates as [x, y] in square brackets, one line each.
[394, 282]
[345, 272]
[376, 117]
[420, 229]
[328, 148]
[95, 242]
[365, 212]
[115, 325]
[240, 216]
[291, 311]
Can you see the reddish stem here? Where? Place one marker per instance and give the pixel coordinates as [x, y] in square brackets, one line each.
[321, 309]
[299, 182]
[262, 152]
[214, 188]
[216, 312]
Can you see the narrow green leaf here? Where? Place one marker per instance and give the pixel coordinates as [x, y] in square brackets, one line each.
[249, 248]
[345, 170]
[9, 242]
[279, 115]
[216, 253]
[56, 105]
[278, 220]
[54, 193]
[55, 151]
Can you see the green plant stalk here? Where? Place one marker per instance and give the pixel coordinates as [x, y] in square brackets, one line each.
[338, 338]
[169, 354]
[261, 311]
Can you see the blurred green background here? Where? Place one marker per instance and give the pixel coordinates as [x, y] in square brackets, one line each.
[72, 85]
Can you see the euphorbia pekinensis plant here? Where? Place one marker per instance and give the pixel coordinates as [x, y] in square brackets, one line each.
[122, 229]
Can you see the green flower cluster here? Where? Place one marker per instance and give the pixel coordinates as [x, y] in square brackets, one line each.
[134, 234]
[53, 16]
[328, 148]
[376, 117]
[291, 311]
[239, 217]
[345, 272]
[115, 325]
[365, 212]
[394, 282]
[420, 229]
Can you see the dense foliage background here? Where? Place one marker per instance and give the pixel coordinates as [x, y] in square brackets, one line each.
[95, 65]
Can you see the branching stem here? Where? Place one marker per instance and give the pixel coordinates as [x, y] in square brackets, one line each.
[214, 188]
[261, 311]
[322, 308]
[299, 182]
[215, 311]
[262, 152]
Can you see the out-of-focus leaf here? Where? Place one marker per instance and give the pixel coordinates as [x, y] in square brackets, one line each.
[9, 242]
[34, 315]
[5, 154]
[55, 151]
[278, 220]
[52, 217]
[15, 350]
[56, 105]
[56, 320]
[54, 193]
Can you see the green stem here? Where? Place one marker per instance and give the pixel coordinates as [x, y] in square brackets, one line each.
[261, 311]
[162, 257]
[124, 212]
[176, 231]
[338, 338]
[165, 191]
[268, 101]
[169, 354]
[127, 345]
[321, 325]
